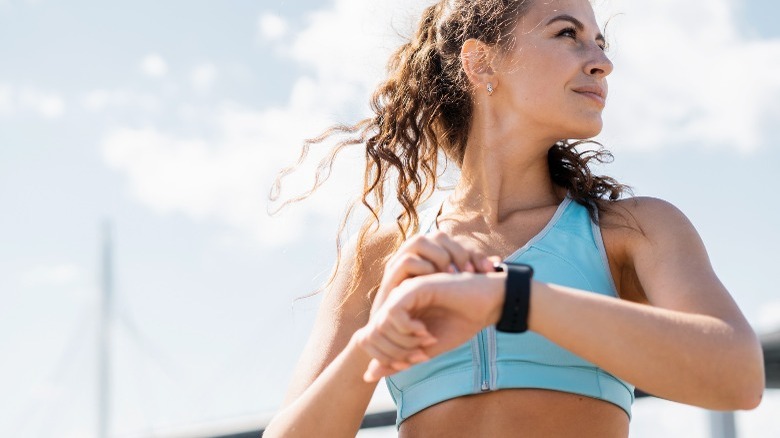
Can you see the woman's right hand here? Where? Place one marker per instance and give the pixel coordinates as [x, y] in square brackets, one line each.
[426, 254]
[420, 255]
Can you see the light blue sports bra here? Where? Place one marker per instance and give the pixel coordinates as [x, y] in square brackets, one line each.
[569, 251]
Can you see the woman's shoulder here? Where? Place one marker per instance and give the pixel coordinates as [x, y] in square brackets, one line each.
[361, 265]
[643, 217]
[642, 228]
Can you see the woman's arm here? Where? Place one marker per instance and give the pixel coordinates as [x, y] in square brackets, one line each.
[328, 396]
[691, 344]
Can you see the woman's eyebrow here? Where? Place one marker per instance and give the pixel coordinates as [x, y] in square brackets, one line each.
[577, 24]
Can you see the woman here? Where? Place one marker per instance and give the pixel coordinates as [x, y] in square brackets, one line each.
[622, 292]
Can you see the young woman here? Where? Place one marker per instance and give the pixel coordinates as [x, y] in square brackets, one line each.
[620, 292]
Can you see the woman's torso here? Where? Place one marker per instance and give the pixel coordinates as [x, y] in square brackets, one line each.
[526, 412]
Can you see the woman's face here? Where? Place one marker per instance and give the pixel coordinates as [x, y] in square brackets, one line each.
[557, 69]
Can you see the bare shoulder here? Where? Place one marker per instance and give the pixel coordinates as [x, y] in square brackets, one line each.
[358, 278]
[347, 301]
[345, 305]
[635, 226]
[642, 214]
[665, 260]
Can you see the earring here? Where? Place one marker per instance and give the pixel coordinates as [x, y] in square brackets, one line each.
[490, 89]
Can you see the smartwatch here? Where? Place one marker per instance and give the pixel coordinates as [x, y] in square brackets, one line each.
[517, 297]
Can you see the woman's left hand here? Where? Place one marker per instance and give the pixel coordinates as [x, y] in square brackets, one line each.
[452, 307]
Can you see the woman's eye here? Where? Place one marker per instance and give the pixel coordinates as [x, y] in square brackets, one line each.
[572, 33]
[569, 31]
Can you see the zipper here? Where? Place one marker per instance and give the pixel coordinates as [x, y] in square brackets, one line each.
[484, 365]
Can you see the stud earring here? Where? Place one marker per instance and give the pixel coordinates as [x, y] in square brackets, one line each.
[490, 89]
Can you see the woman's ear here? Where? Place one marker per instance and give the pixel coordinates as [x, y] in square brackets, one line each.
[477, 60]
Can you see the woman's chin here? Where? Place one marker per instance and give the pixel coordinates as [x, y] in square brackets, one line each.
[585, 131]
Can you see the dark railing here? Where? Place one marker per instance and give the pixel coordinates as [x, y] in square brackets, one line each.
[771, 345]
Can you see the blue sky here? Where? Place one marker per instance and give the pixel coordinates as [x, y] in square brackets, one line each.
[170, 120]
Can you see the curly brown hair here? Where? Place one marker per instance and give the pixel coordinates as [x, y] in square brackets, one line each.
[423, 109]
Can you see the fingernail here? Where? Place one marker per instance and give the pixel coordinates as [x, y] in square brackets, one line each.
[429, 341]
[488, 266]
[418, 357]
[469, 266]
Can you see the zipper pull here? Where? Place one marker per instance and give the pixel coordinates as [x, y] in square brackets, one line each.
[485, 385]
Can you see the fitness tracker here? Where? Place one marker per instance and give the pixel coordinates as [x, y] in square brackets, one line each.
[514, 316]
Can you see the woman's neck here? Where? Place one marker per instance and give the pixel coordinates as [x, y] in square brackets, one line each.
[503, 173]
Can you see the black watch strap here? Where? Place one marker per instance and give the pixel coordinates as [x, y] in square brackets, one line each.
[514, 316]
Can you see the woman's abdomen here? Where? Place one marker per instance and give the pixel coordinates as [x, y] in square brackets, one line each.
[526, 413]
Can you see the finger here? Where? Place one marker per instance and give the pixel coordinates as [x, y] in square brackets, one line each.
[408, 341]
[406, 266]
[389, 351]
[494, 260]
[481, 262]
[425, 247]
[458, 254]
[376, 371]
[408, 332]
[401, 337]
[374, 352]
[476, 256]
[487, 266]
[412, 358]
[377, 346]
[411, 344]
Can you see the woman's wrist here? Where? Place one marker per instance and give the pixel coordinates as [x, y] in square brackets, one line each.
[537, 292]
[497, 294]
[355, 350]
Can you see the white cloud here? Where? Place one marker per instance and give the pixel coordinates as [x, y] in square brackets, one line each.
[154, 65]
[271, 27]
[46, 104]
[349, 44]
[227, 177]
[100, 100]
[685, 74]
[203, 76]
[51, 275]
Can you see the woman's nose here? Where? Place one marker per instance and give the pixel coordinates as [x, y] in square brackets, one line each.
[599, 65]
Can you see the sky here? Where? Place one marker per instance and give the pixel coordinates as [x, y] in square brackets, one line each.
[169, 121]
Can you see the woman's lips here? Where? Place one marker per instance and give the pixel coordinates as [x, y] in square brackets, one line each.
[593, 96]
